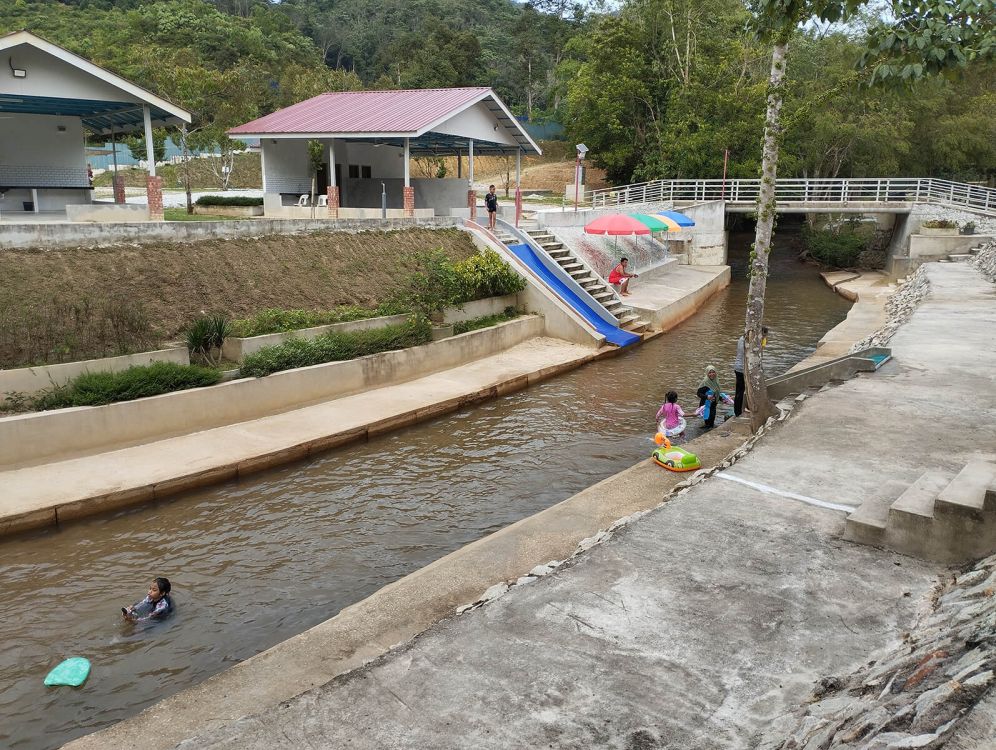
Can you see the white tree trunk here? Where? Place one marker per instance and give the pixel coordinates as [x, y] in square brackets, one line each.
[757, 389]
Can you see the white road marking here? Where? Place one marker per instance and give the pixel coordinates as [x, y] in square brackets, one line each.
[783, 493]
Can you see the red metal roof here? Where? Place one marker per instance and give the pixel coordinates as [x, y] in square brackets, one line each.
[371, 112]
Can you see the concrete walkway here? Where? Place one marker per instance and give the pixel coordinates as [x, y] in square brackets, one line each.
[674, 293]
[702, 623]
[52, 493]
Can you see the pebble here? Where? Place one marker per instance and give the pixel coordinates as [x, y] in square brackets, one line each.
[493, 592]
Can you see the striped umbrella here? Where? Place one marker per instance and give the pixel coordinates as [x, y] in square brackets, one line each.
[616, 225]
[675, 220]
[653, 223]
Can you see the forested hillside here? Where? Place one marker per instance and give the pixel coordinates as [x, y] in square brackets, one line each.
[656, 88]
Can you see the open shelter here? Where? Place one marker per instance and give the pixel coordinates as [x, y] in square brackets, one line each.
[49, 98]
[368, 139]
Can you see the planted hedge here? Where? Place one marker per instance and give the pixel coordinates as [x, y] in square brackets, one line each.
[335, 347]
[228, 200]
[98, 388]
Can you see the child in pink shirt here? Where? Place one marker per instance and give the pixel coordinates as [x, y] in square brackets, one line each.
[671, 417]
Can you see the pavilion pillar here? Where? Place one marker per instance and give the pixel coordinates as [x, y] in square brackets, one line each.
[154, 191]
[518, 185]
[471, 193]
[150, 150]
[409, 191]
[333, 189]
[117, 180]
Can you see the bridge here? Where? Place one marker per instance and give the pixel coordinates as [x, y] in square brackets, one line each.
[895, 195]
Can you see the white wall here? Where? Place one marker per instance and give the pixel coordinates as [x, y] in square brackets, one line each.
[285, 164]
[478, 123]
[49, 76]
[35, 153]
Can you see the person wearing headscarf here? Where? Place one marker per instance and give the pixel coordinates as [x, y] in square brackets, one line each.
[709, 393]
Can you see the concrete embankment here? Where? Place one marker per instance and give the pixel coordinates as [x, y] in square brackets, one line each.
[727, 605]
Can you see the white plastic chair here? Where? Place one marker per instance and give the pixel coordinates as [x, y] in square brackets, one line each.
[323, 200]
[303, 201]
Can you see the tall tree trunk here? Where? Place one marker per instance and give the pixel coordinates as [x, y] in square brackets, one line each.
[757, 389]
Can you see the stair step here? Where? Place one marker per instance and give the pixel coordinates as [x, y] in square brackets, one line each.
[592, 284]
[628, 317]
[602, 295]
[971, 492]
[548, 246]
[559, 253]
[570, 265]
[611, 306]
[960, 256]
[586, 280]
[635, 326]
[913, 510]
[866, 525]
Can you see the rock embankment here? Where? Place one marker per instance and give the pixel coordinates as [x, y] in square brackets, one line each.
[985, 261]
[916, 695]
[899, 308]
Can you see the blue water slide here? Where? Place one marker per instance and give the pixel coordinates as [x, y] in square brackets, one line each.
[613, 334]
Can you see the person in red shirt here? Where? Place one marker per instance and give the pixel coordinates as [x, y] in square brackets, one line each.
[619, 277]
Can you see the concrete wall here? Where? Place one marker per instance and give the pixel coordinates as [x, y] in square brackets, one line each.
[32, 439]
[926, 246]
[707, 246]
[35, 153]
[44, 236]
[479, 308]
[285, 166]
[108, 212]
[236, 348]
[274, 209]
[34, 379]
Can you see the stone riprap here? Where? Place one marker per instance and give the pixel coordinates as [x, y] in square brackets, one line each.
[985, 261]
[915, 695]
[899, 307]
[929, 212]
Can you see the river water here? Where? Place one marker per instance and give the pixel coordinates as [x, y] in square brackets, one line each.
[257, 561]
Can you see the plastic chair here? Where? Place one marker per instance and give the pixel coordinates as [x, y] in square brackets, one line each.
[304, 201]
[323, 200]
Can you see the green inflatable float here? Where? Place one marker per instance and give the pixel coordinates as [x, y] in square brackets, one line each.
[72, 671]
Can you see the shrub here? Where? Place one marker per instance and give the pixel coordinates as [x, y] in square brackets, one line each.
[228, 200]
[487, 275]
[274, 320]
[335, 347]
[206, 334]
[96, 388]
[839, 246]
[485, 321]
[939, 224]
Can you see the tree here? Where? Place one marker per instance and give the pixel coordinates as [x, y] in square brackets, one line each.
[939, 34]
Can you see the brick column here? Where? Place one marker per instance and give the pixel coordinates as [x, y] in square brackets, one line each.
[119, 189]
[409, 200]
[154, 190]
[332, 193]
[472, 203]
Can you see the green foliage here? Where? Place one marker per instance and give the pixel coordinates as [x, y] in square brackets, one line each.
[940, 224]
[280, 321]
[228, 200]
[335, 347]
[840, 245]
[96, 388]
[486, 275]
[486, 321]
[207, 334]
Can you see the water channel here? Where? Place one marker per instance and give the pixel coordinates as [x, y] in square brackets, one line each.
[257, 561]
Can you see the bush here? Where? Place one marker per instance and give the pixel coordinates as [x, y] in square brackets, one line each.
[207, 333]
[485, 321]
[840, 246]
[487, 275]
[335, 347]
[228, 200]
[939, 224]
[274, 320]
[96, 388]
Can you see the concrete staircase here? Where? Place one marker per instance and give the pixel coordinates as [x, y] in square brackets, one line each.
[963, 257]
[600, 290]
[945, 516]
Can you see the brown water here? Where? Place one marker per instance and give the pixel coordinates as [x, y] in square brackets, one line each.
[257, 561]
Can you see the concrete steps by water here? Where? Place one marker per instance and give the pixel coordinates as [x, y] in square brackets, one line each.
[943, 515]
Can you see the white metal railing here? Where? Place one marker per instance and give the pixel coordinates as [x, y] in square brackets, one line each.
[821, 190]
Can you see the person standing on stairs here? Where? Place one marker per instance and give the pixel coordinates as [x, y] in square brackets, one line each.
[491, 202]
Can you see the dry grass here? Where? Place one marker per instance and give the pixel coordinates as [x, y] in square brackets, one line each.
[166, 285]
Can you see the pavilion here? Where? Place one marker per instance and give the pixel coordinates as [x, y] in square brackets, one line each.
[368, 139]
[49, 99]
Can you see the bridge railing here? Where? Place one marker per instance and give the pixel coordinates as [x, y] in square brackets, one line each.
[802, 190]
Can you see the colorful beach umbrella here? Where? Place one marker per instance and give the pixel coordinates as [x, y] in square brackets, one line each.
[653, 223]
[617, 225]
[675, 220]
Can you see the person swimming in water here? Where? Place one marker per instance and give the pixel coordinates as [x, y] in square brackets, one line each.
[156, 606]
